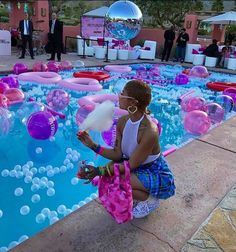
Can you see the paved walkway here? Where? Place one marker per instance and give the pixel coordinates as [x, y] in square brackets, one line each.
[201, 217]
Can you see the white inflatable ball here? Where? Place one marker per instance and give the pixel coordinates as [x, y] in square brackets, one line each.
[34, 187]
[68, 150]
[39, 150]
[61, 209]
[13, 173]
[18, 191]
[5, 173]
[23, 238]
[63, 169]
[52, 214]
[40, 218]
[68, 211]
[75, 207]
[74, 181]
[13, 244]
[53, 220]
[34, 170]
[25, 210]
[36, 180]
[3, 249]
[50, 183]
[30, 163]
[42, 169]
[19, 174]
[17, 167]
[28, 179]
[35, 198]
[46, 211]
[81, 203]
[50, 192]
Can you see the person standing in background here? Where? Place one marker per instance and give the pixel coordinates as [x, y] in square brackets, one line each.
[169, 36]
[181, 41]
[26, 29]
[55, 37]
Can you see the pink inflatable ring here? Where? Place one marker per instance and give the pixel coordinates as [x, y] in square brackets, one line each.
[40, 77]
[81, 84]
[91, 101]
[118, 68]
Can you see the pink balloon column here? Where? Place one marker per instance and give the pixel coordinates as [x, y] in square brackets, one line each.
[58, 99]
[11, 81]
[19, 68]
[192, 103]
[42, 125]
[197, 122]
[39, 67]
[215, 112]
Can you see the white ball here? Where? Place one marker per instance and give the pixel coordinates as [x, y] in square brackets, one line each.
[28, 179]
[18, 191]
[63, 169]
[50, 192]
[40, 218]
[30, 163]
[3, 249]
[75, 207]
[61, 209]
[81, 203]
[68, 150]
[35, 187]
[53, 220]
[39, 150]
[13, 244]
[17, 167]
[1, 213]
[35, 198]
[25, 210]
[74, 181]
[66, 161]
[45, 211]
[5, 173]
[50, 173]
[13, 173]
[52, 214]
[23, 238]
[42, 169]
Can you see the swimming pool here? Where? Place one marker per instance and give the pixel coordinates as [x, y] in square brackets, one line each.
[38, 183]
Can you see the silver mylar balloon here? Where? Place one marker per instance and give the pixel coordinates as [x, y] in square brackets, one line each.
[124, 20]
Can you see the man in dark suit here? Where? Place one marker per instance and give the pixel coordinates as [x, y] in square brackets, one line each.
[169, 36]
[55, 36]
[26, 30]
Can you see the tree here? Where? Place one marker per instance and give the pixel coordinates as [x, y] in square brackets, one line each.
[162, 13]
[217, 5]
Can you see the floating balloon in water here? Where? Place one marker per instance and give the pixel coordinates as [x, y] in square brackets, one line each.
[3, 101]
[53, 66]
[5, 121]
[40, 218]
[3, 87]
[14, 95]
[18, 191]
[11, 81]
[199, 71]
[231, 92]
[226, 102]
[42, 125]
[24, 210]
[181, 79]
[40, 67]
[197, 122]
[19, 68]
[124, 20]
[58, 99]
[215, 112]
[66, 65]
[192, 103]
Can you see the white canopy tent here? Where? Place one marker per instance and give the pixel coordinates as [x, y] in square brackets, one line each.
[224, 19]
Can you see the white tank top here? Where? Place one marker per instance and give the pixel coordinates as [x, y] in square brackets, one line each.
[129, 140]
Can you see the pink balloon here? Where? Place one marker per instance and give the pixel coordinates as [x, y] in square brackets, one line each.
[199, 71]
[58, 99]
[14, 95]
[53, 66]
[39, 67]
[3, 101]
[197, 122]
[3, 87]
[192, 103]
[215, 112]
[19, 68]
[231, 92]
[66, 65]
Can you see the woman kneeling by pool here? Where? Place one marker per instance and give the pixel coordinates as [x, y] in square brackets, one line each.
[137, 140]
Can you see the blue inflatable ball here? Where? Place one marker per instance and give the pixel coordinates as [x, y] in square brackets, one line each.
[226, 102]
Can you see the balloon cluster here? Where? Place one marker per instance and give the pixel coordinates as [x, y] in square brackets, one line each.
[200, 114]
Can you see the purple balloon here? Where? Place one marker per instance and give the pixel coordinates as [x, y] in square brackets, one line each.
[19, 68]
[53, 66]
[58, 99]
[197, 122]
[11, 81]
[215, 112]
[181, 79]
[42, 125]
[232, 93]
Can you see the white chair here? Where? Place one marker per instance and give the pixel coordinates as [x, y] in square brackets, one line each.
[189, 52]
[100, 52]
[210, 61]
[198, 59]
[123, 54]
[112, 54]
[89, 51]
[232, 64]
[148, 54]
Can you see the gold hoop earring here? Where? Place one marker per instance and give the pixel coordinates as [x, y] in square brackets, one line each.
[132, 111]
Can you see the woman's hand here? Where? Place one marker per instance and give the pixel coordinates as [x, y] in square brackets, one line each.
[84, 137]
[88, 172]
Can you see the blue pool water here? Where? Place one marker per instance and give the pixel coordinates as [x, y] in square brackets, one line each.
[45, 171]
